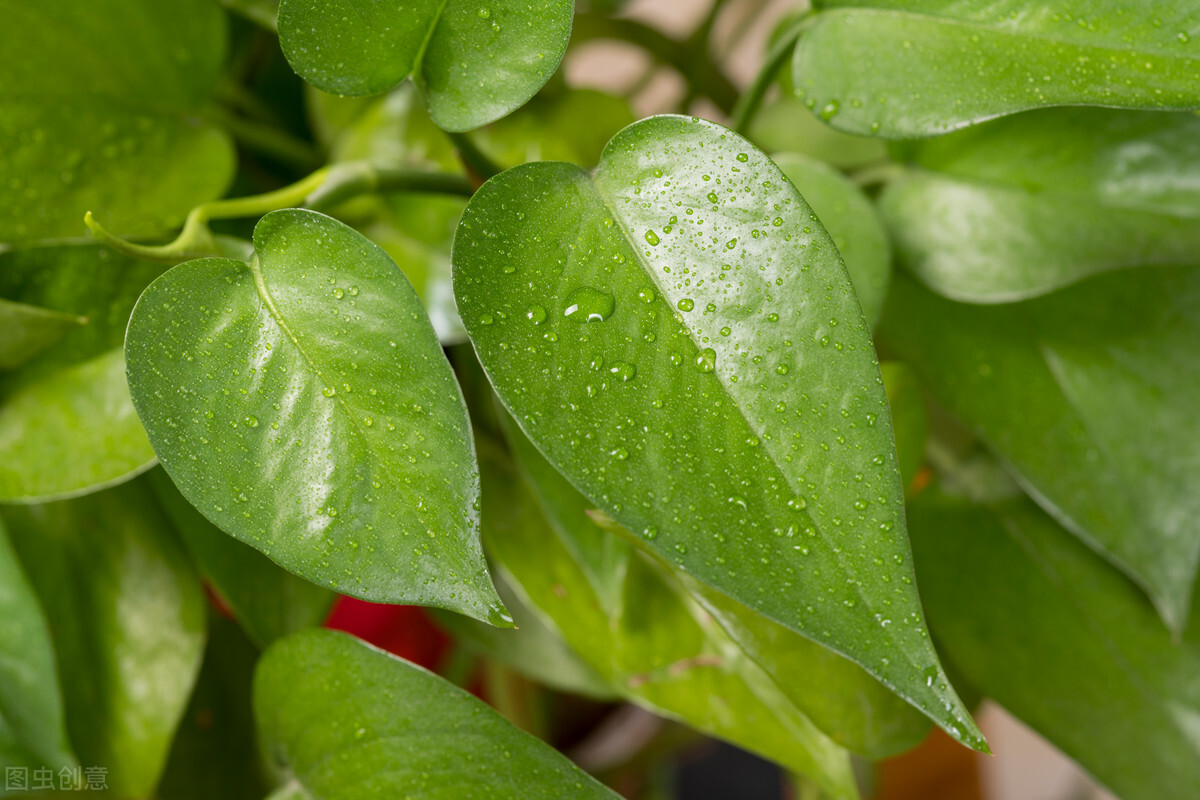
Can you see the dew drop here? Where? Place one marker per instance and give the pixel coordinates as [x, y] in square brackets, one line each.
[536, 315]
[623, 371]
[707, 360]
[589, 305]
[686, 304]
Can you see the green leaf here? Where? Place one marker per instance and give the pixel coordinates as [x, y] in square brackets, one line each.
[1024, 205]
[345, 720]
[32, 729]
[67, 425]
[706, 379]
[268, 601]
[898, 69]
[303, 405]
[851, 221]
[1049, 630]
[127, 619]
[835, 703]
[28, 330]
[787, 126]
[474, 63]
[1094, 412]
[100, 110]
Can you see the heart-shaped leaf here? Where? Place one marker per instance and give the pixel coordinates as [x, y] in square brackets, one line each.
[127, 617]
[343, 720]
[475, 62]
[301, 402]
[898, 69]
[1024, 205]
[67, 424]
[101, 110]
[679, 337]
[28, 330]
[1094, 411]
[1044, 626]
[32, 729]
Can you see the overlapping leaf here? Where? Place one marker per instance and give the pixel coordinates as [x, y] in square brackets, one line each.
[1024, 205]
[101, 109]
[900, 69]
[680, 338]
[28, 330]
[1090, 395]
[301, 402]
[475, 62]
[344, 720]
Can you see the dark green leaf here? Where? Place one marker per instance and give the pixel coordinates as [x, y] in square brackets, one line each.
[1094, 411]
[851, 221]
[344, 720]
[707, 379]
[100, 110]
[1045, 627]
[67, 425]
[32, 730]
[1024, 205]
[269, 602]
[127, 619]
[28, 330]
[900, 69]
[302, 404]
[475, 63]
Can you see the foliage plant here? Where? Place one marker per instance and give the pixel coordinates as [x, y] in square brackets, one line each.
[344, 297]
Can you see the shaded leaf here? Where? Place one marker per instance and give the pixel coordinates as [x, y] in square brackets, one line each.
[29, 330]
[898, 69]
[1093, 411]
[707, 379]
[344, 720]
[301, 402]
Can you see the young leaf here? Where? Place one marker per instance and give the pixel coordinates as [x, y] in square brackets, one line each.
[67, 425]
[301, 402]
[1062, 640]
[1024, 205]
[32, 729]
[100, 110]
[127, 617]
[898, 69]
[28, 330]
[707, 379]
[344, 720]
[1095, 412]
[267, 600]
[474, 62]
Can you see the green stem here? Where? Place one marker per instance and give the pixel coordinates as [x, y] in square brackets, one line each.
[875, 174]
[345, 181]
[476, 160]
[512, 696]
[267, 139]
[751, 100]
[260, 13]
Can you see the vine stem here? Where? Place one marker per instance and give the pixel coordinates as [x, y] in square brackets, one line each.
[751, 100]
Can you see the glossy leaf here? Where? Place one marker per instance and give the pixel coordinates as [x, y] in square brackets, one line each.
[1021, 206]
[1094, 411]
[852, 223]
[301, 402]
[474, 63]
[101, 110]
[267, 600]
[127, 619]
[781, 675]
[706, 379]
[898, 69]
[67, 424]
[344, 720]
[29, 330]
[32, 728]
[1045, 627]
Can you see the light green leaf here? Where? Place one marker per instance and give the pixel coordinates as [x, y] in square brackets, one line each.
[851, 221]
[101, 110]
[708, 380]
[1024, 205]
[303, 405]
[28, 330]
[1094, 411]
[127, 618]
[345, 720]
[1044, 626]
[32, 728]
[474, 63]
[898, 69]
[267, 600]
[67, 425]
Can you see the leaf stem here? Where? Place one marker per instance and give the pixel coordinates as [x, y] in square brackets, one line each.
[751, 100]
[267, 140]
[345, 181]
[477, 161]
